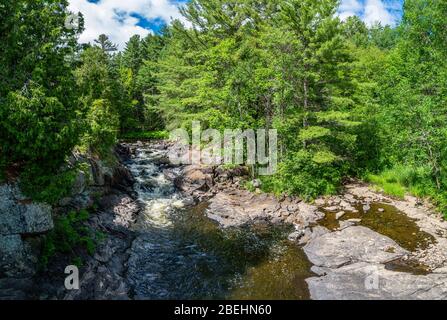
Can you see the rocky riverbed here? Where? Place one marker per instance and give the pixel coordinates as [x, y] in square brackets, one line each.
[194, 232]
[362, 244]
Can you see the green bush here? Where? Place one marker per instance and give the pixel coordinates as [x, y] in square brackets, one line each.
[103, 126]
[36, 130]
[301, 175]
[69, 234]
[43, 186]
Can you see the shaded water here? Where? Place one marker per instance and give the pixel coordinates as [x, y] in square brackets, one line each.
[181, 254]
[387, 220]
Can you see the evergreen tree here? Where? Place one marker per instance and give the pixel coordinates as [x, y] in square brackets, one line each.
[38, 97]
[105, 44]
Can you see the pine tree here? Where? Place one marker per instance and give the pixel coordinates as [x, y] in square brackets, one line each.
[105, 44]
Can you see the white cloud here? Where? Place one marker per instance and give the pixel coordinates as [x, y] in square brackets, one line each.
[376, 11]
[114, 17]
[351, 6]
[370, 11]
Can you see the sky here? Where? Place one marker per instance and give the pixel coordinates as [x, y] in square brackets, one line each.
[120, 19]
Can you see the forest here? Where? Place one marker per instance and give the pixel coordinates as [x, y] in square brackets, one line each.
[348, 100]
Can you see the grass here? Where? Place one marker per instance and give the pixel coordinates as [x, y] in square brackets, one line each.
[145, 135]
[418, 182]
[391, 188]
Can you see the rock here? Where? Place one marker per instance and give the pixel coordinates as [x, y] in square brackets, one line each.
[295, 236]
[381, 210]
[440, 270]
[332, 209]
[339, 215]
[313, 233]
[256, 183]
[11, 214]
[38, 218]
[11, 252]
[347, 206]
[309, 214]
[365, 281]
[80, 183]
[162, 161]
[122, 179]
[234, 174]
[366, 207]
[16, 288]
[124, 151]
[20, 216]
[100, 173]
[319, 231]
[16, 258]
[170, 175]
[346, 224]
[351, 245]
[349, 197]
[194, 178]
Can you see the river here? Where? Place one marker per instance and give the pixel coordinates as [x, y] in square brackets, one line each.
[181, 254]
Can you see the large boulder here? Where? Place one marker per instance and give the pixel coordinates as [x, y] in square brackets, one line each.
[195, 178]
[366, 281]
[351, 245]
[19, 217]
[16, 258]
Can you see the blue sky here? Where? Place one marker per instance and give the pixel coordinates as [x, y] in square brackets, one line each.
[120, 19]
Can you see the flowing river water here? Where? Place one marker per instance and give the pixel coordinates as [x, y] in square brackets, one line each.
[181, 254]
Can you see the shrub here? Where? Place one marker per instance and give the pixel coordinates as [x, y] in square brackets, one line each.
[36, 129]
[46, 187]
[301, 175]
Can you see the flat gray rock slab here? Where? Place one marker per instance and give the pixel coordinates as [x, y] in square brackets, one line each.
[365, 281]
[351, 245]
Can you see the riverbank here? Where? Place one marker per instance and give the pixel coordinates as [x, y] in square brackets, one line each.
[195, 232]
[350, 238]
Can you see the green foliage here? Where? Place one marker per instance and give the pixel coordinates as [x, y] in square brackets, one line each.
[407, 179]
[302, 175]
[346, 98]
[145, 135]
[46, 133]
[38, 98]
[46, 187]
[312, 133]
[103, 126]
[68, 237]
[105, 44]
